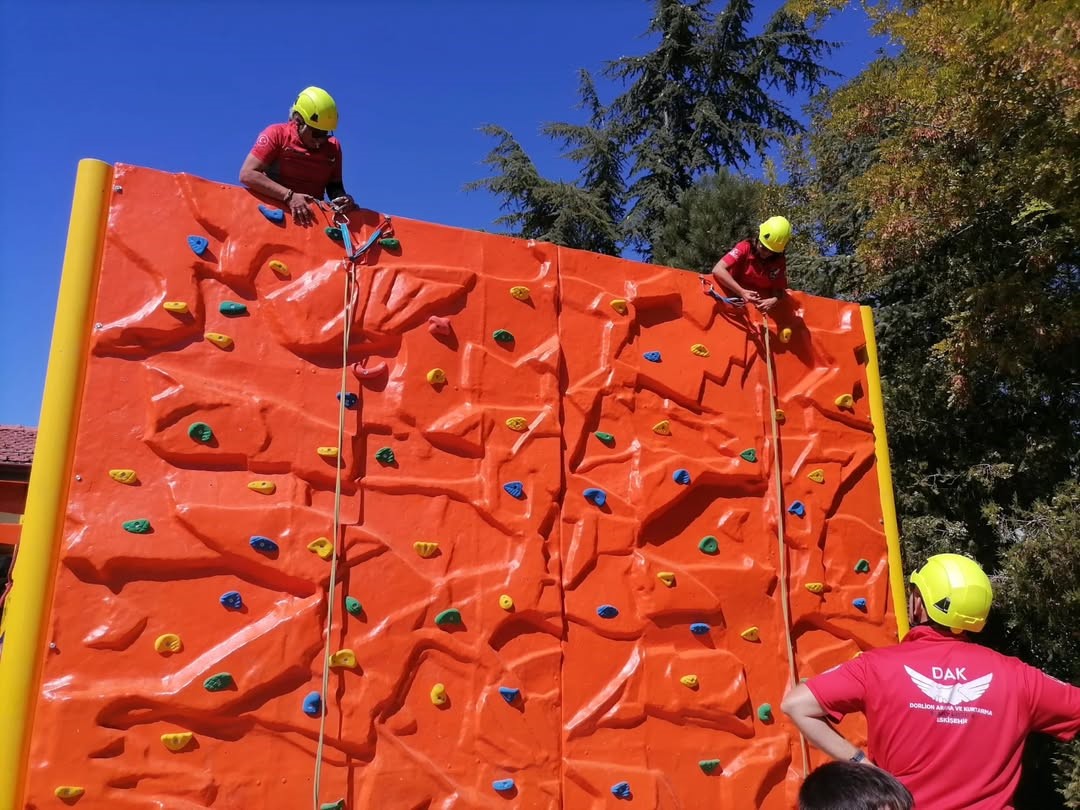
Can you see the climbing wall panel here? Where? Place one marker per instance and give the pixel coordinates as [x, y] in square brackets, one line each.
[559, 582]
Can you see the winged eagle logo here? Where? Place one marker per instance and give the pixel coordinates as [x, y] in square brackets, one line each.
[952, 694]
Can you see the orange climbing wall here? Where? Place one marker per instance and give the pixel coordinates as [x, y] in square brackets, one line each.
[594, 643]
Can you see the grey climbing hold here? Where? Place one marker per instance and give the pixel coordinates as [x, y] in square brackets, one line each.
[681, 477]
[607, 611]
[595, 496]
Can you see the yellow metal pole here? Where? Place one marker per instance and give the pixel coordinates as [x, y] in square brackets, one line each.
[884, 471]
[35, 565]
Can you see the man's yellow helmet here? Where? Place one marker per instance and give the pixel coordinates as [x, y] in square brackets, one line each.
[956, 591]
[774, 233]
[317, 108]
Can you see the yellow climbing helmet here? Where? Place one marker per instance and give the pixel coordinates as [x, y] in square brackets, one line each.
[317, 108]
[956, 592]
[774, 233]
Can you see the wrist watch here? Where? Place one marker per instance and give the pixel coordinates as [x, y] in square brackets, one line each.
[859, 756]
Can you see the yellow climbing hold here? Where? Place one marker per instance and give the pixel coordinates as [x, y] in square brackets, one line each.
[177, 741]
[346, 659]
[815, 587]
[699, 349]
[327, 452]
[505, 602]
[751, 633]
[438, 694]
[263, 487]
[219, 340]
[69, 792]
[662, 428]
[322, 546]
[168, 643]
[279, 267]
[123, 476]
[517, 423]
[667, 577]
[780, 416]
[436, 376]
[817, 476]
[620, 305]
[175, 306]
[785, 335]
[845, 401]
[520, 293]
[425, 549]
[689, 680]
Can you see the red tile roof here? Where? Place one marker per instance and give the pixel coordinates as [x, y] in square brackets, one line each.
[17, 445]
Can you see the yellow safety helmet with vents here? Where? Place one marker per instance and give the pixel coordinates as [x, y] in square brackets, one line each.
[774, 233]
[956, 592]
[317, 108]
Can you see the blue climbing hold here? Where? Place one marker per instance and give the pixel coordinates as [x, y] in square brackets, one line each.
[198, 244]
[313, 704]
[607, 611]
[515, 488]
[272, 214]
[797, 509]
[699, 628]
[596, 496]
[263, 544]
[502, 785]
[621, 790]
[350, 399]
[508, 694]
[681, 477]
[860, 604]
[652, 357]
[232, 600]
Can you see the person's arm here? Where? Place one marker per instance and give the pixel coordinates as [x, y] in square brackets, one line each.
[808, 715]
[778, 290]
[1055, 705]
[253, 174]
[722, 274]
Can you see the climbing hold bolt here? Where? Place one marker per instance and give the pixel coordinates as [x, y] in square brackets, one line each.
[312, 705]
[815, 587]
[123, 476]
[764, 713]
[708, 765]
[652, 357]
[508, 694]
[263, 544]
[350, 399]
[438, 694]
[219, 340]
[448, 616]
[515, 489]
[263, 487]
[662, 428]
[817, 476]
[353, 606]
[502, 336]
[344, 659]
[200, 432]
[699, 349]
[198, 244]
[797, 508]
[69, 792]
[690, 681]
[321, 546]
[425, 549]
[232, 308]
[667, 577]
[860, 604]
[681, 477]
[606, 438]
[862, 566]
[502, 785]
[621, 790]
[177, 307]
[176, 741]
[751, 633]
[619, 305]
[845, 401]
[219, 682]
[595, 496]
[785, 335]
[517, 423]
[140, 526]
[168, 643]
[708, 544]
[384, 455]
[750, 454]
[327, 452]
[436, 376]
[390, 243]
[699, 628]
[520, 293]
[506, 602]
[280, 268]
[607, 611]
[232, 600]
[272, 214]
[438, 325]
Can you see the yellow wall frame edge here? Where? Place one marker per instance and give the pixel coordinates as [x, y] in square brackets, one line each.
[35, 566]
[884, 471]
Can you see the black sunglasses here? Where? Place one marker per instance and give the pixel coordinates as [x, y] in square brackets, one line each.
[318, 134]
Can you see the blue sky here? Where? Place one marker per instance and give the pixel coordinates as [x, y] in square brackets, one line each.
[186, 87]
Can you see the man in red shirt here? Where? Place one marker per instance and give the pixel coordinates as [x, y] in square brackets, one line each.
[946, 716]
[755, 269]
[299, 162]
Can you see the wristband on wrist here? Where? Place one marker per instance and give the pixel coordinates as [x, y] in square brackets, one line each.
[288, 196]
[859, 756]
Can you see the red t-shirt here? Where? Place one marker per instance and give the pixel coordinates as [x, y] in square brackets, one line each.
[763, 276]
[289, 162]
[948, 717]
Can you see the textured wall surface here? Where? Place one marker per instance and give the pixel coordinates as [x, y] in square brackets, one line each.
[584, 681]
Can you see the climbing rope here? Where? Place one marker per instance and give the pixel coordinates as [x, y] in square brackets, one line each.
[781, 544]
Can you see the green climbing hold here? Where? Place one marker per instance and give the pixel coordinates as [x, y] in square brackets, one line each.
[502, 336]
[448, 616]
[764, 713]
[862, 567]
[200, 432]
[338, 805]
[708, 544]
[606, 438]
[385, 456]
[709, 765]
[390, 242]
[232, 308]
[216, 683]
[749, 455]
[334, 234]
[140, 526]
[353, 606]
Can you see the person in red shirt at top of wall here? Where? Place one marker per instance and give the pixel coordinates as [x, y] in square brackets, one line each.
[299, 161]
[946, 716]
[755, 269]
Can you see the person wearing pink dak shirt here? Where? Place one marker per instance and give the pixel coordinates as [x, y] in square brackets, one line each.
[946, 716]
